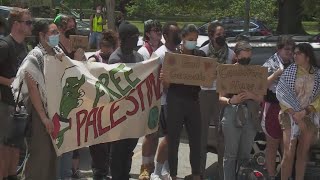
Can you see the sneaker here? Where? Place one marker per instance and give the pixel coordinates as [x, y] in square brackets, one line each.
[165, 176]
[154, 177]
[76, 174]
[145, 171]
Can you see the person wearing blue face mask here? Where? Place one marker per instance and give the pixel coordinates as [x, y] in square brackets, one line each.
[184, 109]
[41, 164]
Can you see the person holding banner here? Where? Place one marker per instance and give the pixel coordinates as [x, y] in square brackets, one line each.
[108, 44]
[152, 38]
[209, 98]
[100, 153]
[184, 109]
[41, 164]
[122, 150]
[171, 34]
[298, 94]
[270, 121]
[67, 26]
[239, 114]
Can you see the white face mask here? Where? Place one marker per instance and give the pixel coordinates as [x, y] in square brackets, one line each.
[190, 45]
[98, 11]
[53, 40]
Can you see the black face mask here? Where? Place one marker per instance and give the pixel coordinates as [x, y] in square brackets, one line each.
[221, 40]
[176, 39]
[70, 32]
[129, 43]
[244, 61]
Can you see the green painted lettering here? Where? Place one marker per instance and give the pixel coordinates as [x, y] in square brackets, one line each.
[117, 80]
[102, 89]
[132, 83]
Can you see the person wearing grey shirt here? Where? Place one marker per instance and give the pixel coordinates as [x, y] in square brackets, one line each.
[122, 150]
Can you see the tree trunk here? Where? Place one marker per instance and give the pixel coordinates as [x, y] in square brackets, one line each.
[110, 14]
[247, 16]
[290, 17]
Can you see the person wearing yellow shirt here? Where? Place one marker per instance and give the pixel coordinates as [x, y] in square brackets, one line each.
[298, 93]
[96, 27]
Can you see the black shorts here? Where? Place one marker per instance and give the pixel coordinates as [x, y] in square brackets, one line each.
[163, 120]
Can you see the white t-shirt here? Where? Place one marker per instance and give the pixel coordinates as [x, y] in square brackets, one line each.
[161, 52]
[231, 54]
[144, 52]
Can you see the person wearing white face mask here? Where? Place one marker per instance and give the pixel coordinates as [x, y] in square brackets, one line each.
[41, 164]
[96, 27]
[184, 109]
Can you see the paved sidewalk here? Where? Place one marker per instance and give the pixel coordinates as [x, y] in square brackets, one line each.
[184, 168]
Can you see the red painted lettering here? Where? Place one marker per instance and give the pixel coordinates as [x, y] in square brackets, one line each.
[113, 110]
[101, 129]
[141, 94]
[134, 102]
[80, 123]
[156, 84]
[91, 121]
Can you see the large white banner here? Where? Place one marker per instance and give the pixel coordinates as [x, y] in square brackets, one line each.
[91, 103]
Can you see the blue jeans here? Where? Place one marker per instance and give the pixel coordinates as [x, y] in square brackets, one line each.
[238, 142]
[94, 40]
[64, 166]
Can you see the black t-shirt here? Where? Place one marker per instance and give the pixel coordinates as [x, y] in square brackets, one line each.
[65, 51]
[12, 54]
[187, 91]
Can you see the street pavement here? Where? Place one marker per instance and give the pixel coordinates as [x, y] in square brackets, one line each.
[184, 168]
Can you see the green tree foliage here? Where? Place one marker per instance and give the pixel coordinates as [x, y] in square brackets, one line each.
[312, 9]
[266, 10]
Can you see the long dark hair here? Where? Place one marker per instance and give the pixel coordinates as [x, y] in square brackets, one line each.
[39, 26]
[308, 50]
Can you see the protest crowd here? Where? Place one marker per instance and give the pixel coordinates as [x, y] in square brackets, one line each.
[287, 113]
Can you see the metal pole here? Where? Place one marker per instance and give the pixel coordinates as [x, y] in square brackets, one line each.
[247, 16]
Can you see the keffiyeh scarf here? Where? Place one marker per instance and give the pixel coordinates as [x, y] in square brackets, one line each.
[33, 66]
[221, 54]
[287, 96]
[273, 64]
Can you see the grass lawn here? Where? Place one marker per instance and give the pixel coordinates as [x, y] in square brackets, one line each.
[310, 27]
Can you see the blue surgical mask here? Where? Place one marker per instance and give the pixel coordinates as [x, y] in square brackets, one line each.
[53, 40]
[190, 45]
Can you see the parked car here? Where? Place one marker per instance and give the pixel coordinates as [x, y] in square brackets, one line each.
[5, 11]
[235, 26]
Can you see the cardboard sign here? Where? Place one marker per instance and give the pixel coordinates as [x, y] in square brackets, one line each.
[189, 70]
[93, 103]
[233, 79]
[79, 42]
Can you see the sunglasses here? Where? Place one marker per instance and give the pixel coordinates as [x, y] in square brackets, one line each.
[28, 23]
